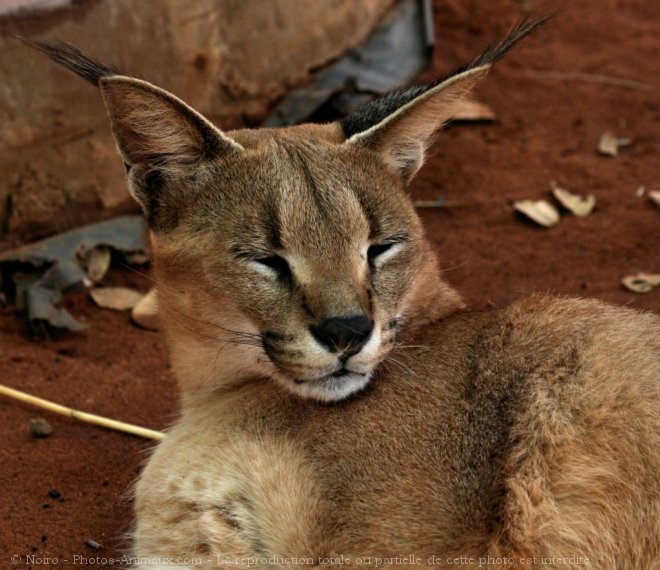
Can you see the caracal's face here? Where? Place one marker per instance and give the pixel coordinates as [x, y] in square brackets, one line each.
[307, 250]
[298, 243]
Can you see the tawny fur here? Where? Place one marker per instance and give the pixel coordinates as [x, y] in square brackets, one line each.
[523, 434]
[526, 433]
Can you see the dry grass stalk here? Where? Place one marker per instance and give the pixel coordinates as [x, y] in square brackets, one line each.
[78, 415]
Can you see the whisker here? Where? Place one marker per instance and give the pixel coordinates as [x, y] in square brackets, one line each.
[453, 268]
[401, 365]
[242, 338]
[161, 296]
[254, 341]
[148, 277]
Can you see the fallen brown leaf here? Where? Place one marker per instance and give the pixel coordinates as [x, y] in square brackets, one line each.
[580, 206]
[539, 211]
[609, 144]
[472, 111]
[97, 263]
[136, 258]
[115, 298]
[145, 311]
[642, 282]
[654, 196]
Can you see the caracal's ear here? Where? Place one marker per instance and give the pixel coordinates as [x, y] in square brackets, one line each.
[160, 138]
[153, 127]
[402, 138]
[400, 126]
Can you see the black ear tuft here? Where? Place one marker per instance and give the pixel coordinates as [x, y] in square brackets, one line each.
[162, 140]
[495, 52]
[379, 109]
[73, 59]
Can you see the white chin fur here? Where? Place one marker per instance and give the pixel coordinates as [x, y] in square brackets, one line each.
[327, 389]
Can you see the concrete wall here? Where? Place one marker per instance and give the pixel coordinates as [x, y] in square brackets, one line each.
[230, 59]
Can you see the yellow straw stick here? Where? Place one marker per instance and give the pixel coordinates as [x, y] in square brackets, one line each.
[78, 415]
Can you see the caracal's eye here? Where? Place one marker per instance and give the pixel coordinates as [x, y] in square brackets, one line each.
[378, 253]
[376, 250]
[275, 263]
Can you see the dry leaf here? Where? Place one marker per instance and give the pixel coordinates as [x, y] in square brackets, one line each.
[609, 144]
[654, 196]
[145, 312]
[97, 263]
[642, 282]
[137, 258]
[115, 298]
[472, 111]
[540, 211]
[579, 205]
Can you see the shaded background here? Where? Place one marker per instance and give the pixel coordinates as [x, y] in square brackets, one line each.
[230, 59]
[547, 129]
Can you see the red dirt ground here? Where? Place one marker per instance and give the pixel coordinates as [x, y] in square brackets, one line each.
[546, 129]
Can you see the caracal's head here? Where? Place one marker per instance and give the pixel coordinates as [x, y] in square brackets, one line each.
[289, 253]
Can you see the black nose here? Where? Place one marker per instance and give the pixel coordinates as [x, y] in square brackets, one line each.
[338, 334]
